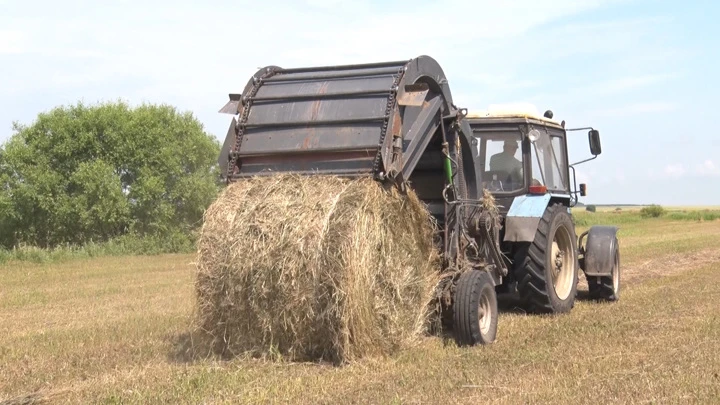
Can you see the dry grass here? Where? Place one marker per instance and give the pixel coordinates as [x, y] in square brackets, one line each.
[315, 268]
[113, 331]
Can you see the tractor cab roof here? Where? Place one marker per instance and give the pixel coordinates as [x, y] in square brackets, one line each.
[510, 114]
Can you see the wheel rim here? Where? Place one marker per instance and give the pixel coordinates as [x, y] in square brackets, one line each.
[561, 263]
[484, 314]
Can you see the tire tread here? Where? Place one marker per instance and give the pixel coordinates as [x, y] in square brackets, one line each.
[533, 286]
[470, 286]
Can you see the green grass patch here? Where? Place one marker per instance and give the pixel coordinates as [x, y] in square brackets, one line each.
[128, 245]
[705, 215]
[585, 218]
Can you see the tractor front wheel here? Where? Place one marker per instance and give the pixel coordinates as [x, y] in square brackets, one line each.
[547, 268]
[603, 287]
[475, 309]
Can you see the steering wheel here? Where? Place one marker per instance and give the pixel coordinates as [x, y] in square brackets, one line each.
[496, 180]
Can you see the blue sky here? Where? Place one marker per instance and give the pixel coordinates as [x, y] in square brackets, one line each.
[645, 73]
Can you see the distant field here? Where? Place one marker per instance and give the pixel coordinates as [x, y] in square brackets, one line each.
[669, 207]
[112, 330]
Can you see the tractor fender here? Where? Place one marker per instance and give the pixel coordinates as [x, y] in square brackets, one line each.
[523, 217]
[599, 251]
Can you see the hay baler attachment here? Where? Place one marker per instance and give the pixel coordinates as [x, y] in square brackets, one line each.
[394, 122]
[351, 120]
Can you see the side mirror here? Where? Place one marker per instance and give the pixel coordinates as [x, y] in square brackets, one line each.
[583, 189]
[594, 138]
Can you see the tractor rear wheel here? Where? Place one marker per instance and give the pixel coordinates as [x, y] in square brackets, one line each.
[475, 309]
[604, 287]
[547, 268]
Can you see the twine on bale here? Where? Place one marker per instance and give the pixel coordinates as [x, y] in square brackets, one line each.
[315, 268]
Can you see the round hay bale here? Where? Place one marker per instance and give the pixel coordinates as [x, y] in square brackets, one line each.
[315, 268]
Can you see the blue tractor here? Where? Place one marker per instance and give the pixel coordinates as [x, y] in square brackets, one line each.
[498, 183]
[524, 164]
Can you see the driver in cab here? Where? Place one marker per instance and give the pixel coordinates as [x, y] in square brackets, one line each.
[505, 161]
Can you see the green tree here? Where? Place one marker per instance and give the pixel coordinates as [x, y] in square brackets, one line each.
[81, 173]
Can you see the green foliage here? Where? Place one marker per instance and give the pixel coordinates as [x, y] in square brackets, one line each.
[126, 245]
[580, 220]
[652, 211]
[584, 219]
[705, 215]
[82, 174]
[591, 208]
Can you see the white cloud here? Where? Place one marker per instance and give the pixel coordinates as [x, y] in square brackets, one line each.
[504, 80]
[192, 55]
[582, 176]
[620, 175]
[623, 84]
[11, 41]
[327, 4]
[675, 170]
[707, 168]
[650, 107]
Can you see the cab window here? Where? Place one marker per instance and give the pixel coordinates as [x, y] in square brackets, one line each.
[501, 157]
[547, 153]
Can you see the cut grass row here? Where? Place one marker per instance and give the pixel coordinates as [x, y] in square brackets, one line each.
[113, 330]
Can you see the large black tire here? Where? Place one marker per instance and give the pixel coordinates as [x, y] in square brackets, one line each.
[606, 288]
[475, 309]
[540, 289]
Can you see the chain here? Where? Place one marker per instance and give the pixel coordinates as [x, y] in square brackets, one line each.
[240, 128]
[388, 111]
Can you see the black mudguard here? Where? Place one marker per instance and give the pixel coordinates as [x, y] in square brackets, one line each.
[598, 254]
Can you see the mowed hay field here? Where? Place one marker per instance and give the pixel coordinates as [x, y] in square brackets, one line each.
[115, 330]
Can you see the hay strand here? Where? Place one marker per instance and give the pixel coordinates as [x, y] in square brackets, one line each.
[314, 268]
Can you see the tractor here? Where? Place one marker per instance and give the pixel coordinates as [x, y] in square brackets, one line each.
[498, 183]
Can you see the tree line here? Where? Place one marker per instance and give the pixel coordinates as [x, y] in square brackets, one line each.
[83, 173]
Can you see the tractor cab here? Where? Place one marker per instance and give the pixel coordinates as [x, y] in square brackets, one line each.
[521, 153]
[521, 158]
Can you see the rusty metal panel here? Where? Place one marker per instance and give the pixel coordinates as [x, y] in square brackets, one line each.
[330, 138]
[420, 132]
[232, 105]
[363, 66]
[334, 75]
[333, 119]
[339, 163]
[319, 87]
[228, 145]
[413, 94]
[316, 111]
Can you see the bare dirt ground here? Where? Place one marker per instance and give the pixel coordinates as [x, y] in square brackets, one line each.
[115, 330]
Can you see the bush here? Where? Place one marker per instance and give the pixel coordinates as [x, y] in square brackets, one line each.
[652, 211]
[95, 173]
[591, 208]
